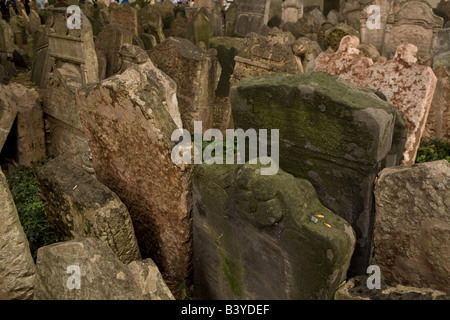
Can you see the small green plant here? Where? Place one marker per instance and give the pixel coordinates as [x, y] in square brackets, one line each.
[433, 150]
[24, 189]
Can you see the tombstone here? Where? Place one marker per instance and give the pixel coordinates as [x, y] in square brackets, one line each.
[29, 132]
[128, 119]
[70, 49]
[264, 55]
[166, 9]
[17, 269]
[124, 15]
[405, 84]
[350, 11]
[89, 210]
[207, 4]
[332, 133]
[292, 10]
[414, 23]
[445, 6]
[308, 51]
[34, 22]
[8, 113]
[438, 121]
[200, 28]
[371, 33]
[7, 47]
[250, 16]
[230, 19]
[254, 238]
[107, 46]
[218, 20]
[196, 74]
[334, 35]
[412, 226]
[150, 22]
[64, 131]
[73, 270]
[442, 42]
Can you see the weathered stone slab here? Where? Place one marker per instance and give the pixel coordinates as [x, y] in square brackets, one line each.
[264, 55]
[17, 269]
[69, 49]
[101, 275]
[124, 15]
[412, 229]
[8, 112]
[254, 238]
[332, 133]
[356, 289]
[407, 85]
[128, 122]
[65, 133]
[438, 122]
[30, 133]
[107, 45]
[196, 74]
[251, 15]
[442, 41]
[291, 10]
[200, 28]
[77, 205]
[410, 22]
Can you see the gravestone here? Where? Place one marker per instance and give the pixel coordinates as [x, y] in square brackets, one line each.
[230, 19]
[438, 121]
[414, 23]
[292, 10]
[29, 129]
[64, 131]
[102, 276]
[8, 113]
[333, 133]
[263, 55]
[17, 269]
[166, 9]
[350, 11]
[124, 15]
[7, 47]
[407, 85]
[196, 74]
[200, 28]
[207, 4]
[254, 238]
[129, 119]
[150, 22]
[107, 46]
[77, 205]
[412, 229]
[69, 49]
[370, 33]
[442, 42]
[251, 15]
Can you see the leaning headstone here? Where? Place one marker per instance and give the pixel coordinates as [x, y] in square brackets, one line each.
[8, 112]
[407, 85]
[17, 269]
[412, 229]
[65, 133]
[333, 133]
[29, 130]
[251, 15]
[254, 237]
[87, 269]
[196, 74]
[438, 122]
[200, 28]
[292, 10]
[107, 44]
[69, 49]
[7, 47]
[77, 205]
[129, 120]
[264, 55]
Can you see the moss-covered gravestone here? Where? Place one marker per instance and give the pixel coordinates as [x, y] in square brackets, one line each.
[255, 238]
[333, 133]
